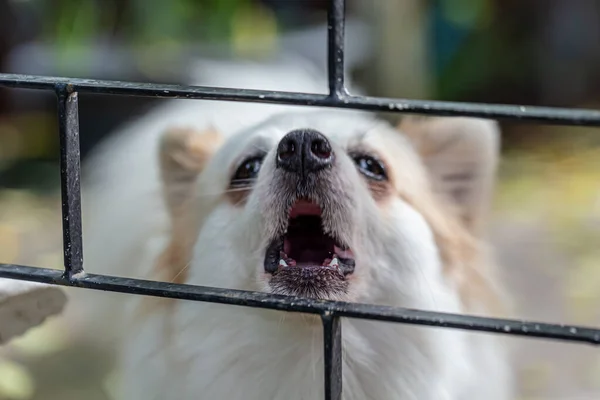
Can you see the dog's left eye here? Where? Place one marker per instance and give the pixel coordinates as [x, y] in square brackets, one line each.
[370, 167]
[247, 172]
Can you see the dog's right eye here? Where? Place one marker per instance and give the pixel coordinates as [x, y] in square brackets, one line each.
[247, 172]
[371, 167]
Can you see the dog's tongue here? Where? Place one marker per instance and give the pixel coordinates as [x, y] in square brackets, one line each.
[304, 207]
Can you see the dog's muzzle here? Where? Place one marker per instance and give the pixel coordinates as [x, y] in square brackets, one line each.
[307, 258]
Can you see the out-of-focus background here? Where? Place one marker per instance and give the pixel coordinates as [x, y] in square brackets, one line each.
[546, 217]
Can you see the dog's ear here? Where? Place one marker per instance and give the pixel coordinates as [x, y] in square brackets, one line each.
[461, 155]
[183, 154]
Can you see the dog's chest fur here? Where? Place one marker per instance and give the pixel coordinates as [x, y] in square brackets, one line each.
[209, 351]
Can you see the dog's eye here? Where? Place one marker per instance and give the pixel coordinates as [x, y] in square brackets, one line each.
[370, 167]
[247, 172]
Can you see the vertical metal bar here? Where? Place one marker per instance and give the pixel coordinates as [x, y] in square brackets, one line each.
[335, 48]
[332, 340]
[68, 126]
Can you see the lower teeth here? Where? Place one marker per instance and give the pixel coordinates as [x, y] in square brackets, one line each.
[333, 263]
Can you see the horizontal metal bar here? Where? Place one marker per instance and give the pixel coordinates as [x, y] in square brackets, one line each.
[70, 172]
[320, 307]
[548, 115]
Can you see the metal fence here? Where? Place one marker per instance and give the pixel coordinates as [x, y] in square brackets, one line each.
[330, 312]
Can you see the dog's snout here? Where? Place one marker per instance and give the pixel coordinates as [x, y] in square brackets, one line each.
[304, 151]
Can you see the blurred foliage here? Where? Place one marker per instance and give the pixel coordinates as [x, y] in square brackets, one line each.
[30, 228]
[16, 382]
[558, 184]
[30, 135]
[251, 25]
[152, 26]
[141, 21]
[467, 13]
[473, 47]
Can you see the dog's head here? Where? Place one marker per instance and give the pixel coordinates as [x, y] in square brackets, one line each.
[338, 205]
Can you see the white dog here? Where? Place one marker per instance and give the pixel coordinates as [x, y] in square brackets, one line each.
[318, 203]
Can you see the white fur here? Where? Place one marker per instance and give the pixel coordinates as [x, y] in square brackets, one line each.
[228, 352]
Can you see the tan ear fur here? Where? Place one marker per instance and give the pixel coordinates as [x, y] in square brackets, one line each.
[183, 154]
[461, 155]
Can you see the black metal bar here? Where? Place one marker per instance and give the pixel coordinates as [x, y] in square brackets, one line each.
[68, 126]
[332, 343]
[548, 115]
[335, 48]
[320, 307]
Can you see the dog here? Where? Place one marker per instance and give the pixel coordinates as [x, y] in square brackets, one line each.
[318, 203]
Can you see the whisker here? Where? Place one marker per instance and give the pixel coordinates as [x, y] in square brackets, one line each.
[281, 320]
[261, 149]
[180, 272]
[233, 190]
[230, 190]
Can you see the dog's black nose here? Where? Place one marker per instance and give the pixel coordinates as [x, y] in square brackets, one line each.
[304, 151]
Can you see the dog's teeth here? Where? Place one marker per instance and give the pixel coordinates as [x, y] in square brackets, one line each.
[343, 253]
[334, 263]
[282, 263]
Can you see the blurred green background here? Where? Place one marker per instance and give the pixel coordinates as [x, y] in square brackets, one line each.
[546, 219]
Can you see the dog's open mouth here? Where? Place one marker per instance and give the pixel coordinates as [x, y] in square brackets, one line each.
[307, 260]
